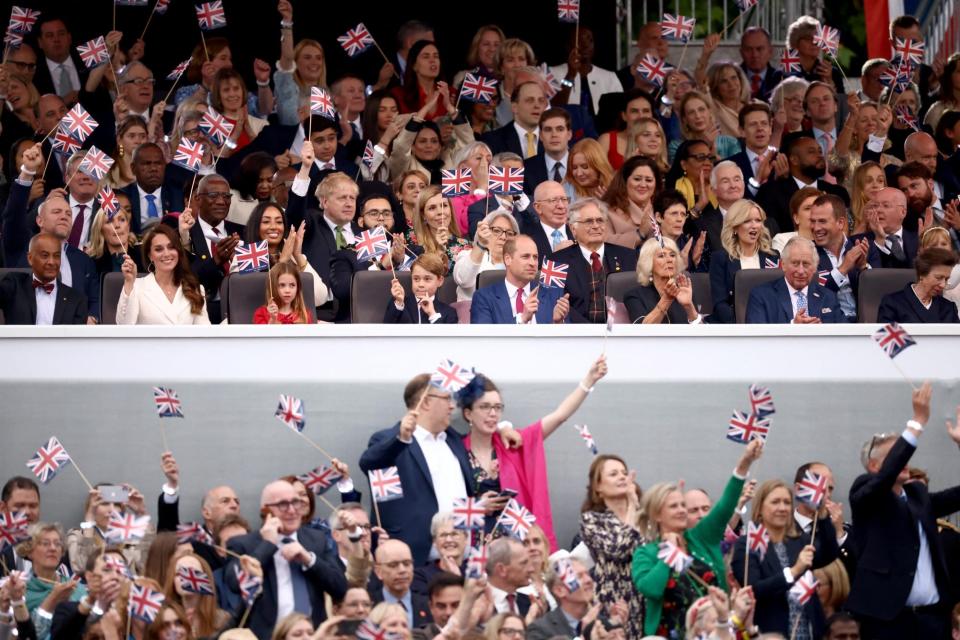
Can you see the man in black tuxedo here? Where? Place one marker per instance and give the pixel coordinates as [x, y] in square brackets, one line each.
[151, 195]
[59, 69]
[40, 298]
[755, 51]
[901, 587]
[298, 567]
[394, 569]
[554, 161]
[522, 134]
[509, 568]
[19, 495]
[891, 245]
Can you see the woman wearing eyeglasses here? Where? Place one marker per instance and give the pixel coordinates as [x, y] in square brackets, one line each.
[487, 252]
[505, 626]
[47, 587]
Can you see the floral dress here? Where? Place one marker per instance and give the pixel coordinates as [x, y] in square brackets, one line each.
[681, 592]
[454, 247]
[484, 482]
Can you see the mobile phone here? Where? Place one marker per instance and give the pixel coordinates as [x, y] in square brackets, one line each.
[115, 494]
[509, 493]
[348, 627]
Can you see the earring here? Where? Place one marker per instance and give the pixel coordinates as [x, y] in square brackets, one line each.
[152, 268]
[120, 149]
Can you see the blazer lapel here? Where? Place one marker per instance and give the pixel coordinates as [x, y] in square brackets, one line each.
[814, 301]
[783, 295]
[417, 453]
[611, 261]
[31, 297]
[59, 306]
[200, 245]
[160, 301]
[503, 301]
[923, 314]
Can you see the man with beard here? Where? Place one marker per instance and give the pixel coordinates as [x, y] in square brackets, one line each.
[916, 182]
[807, 167]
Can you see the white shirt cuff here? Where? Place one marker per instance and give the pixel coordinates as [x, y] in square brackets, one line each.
[300, 186]
[875, 143]
[909, 437]
[170, 498]
[738, 476]
[345, 485]
[788, 575]
[839, 278]
[697, 320]
[398, 307]
[434, 318]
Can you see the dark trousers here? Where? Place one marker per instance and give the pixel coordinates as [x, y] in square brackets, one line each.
[928, 623]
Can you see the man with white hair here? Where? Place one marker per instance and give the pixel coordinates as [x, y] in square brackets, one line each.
[797, 298]
[726, 180]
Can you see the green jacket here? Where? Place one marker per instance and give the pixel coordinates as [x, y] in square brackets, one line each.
[650, 574]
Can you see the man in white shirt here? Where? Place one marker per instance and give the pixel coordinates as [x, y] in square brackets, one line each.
[583, 82]
[508, 569]
[820, 103]
[893, 247]
[82, 190]
[550, 232]
[136, 86]
[841, 260]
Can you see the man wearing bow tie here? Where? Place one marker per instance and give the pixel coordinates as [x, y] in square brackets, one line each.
[39, 297]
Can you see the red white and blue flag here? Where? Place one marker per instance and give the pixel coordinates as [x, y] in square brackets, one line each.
[893, 339]
[108, 202]
[758, 539]
[745, 5]
[64, 143]
[827, 39]
[450, 376]
[898, 77]
[587, 437]
[211, 15]
[563, 567]
[96, 163]
[161, 7]
[168, 404]
[321, 103]
[655, 226]
[456, 182]
[476, 562]
[320, 480]
[372, 243]
[611, 312]
[189, 155]
[48, 460]
[192, 532]
[290, 412]
[22, 19]
[357, 40]
[568, 10]
[743, 428]
[126, 526]
[78, 122]
[790, 62]
[654, 69]
[505, 181]
[812, 489]
[761, 400]
[823, 277]
[468, 513]
[13, 528]
[478, 88]
[771, 263]
[195, 581]
[178, 70]
[370, 630]
[12, 39]
[385, 484]
[252, 256]
[674, 557]
[553, 85]
[369, 155]
[909, 49]
[553, 274]
[144, 603]
[94, 52]
[804, 588]
[905, 115]
[217, 128]
[250, 585]
[115, 563]
[516, 520]
[677, 27]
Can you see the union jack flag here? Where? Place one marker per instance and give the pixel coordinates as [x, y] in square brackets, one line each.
[12, 39]
[372, 243]
[211, 15]
[745, 5]
[587, 437]
[290, 412]
[48, 460]
[64, 573]
[215, 126]
[355, 41]
[772, 263]
[657, 233]
[451, 377]
[553, 85]
[13, 528]
[505, 181]
[758, 539]
[94, 52]
[95, 163]
[898, 79]
[804, 588]
[115, 563]
[250, 585]
[553, 274]
[78, 122]
[893, 339]
[195, 581]
[611, 312]
[827, 39]
[743, 428]
[369, 155]
[161, 7]
[126, 526]
[252, 256]
[456, 182]
[108, 202]
[468, 513]
[478, 88]
[790, 62]
[64, 143]
[193, 532]
[189, 155]
[145, 603]
[823, 278]
[568, 10]
[654, 69]
[674, 557]
[370, 630]
[677, 27]
[564, 569]
[812, 489]
[476, 562]
[320, 480]
[22, 19]
[178, 70]
[761, 400]
[905, 115]
[168, 404]
[909, 49]
[321, 103]
[516, 520]
[385, 484]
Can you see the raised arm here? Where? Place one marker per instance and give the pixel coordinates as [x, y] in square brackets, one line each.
[573, 401]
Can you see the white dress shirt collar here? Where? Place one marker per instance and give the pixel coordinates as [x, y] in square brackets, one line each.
[586, 253]
[46, 303]
[208, 230]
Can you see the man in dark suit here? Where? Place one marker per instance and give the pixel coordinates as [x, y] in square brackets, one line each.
[804, 514]
[841, 259]
[445, 595]
[517, 300]
[755, 50]
[916, 181]
[522, 134]
[509, 568]
[757, 159]
[59, 69]
[901, 587]
[920, 147]
[554, 161]
[727, 182]
[39, 298]
[807, 168]
[565, 620]
[892, 246]
[797, 298]
[394, 569]
[19, 495]
[548, 227]
[298, 567]
[591, 260]
[329, 155]
[151, 195]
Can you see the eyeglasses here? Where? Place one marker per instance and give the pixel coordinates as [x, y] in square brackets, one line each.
[486, 406]
[592, 222]
[379, 214]
[215, 195]
[191, 133]
[23, 66]
[396, 564]
[365, 527]
[555, 201]
[439, 397]
[499, 233]
[702, 157]
[874, 441]
[285, 505]
[50, 544]
[140, 81]
[449, 535]
[511, 633]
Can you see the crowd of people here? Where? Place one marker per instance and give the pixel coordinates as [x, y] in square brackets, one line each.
[732, 165]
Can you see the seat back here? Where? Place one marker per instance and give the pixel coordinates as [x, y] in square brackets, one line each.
[618, 284]
[110, 288]
[246, 292]
[447, 293]
[4, 272]
[462, 307]
[744, 283]
[370, 292]
[876, 283]
[702, 298]
[489, 277]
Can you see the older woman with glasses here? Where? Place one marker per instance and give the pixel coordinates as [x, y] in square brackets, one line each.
[48, 586]
[787, 105]
[450, 545]
[487, 252]
[505, 626]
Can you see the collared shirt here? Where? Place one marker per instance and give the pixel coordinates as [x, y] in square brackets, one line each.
[564, 165]
[445, 471]
[345, 228]
[573, 622]
[923, 591]
[88, 211]
[500, 603]
[883, 245]
[145, 219]
[522, 134]
[821, 137]
[54, 68]
[66, 271]
[285, 600]
[358, 123]
[586, 253]
[46, 303]
[793, 296]
[547, 229]
[801, 184]
[845, 291]
[512, 297]
[406, 602]
[208, 231]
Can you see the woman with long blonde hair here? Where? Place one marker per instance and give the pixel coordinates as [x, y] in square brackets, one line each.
[435, 227]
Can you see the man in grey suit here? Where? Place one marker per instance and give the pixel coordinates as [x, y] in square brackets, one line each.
[568, 618]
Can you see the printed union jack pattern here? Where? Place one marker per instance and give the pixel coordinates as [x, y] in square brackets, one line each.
[48, 460]
[192, 532]
[823, 278]
[468, 513]
[250, 585]
[564, 569]
[910, 50]
[905, 115]
[145, 603]
[674, 557]
[168, 404]
[211, 15]
[355, 41]
[116, 564]
[758, 539]
[677, 27]
[12, 39]
[654, 69]
[178, 70]
[505, 181]
[898, 77]
[215, 126]
[96, 163]
[476, 562]
[13, 528]
[321, 103]
[195, 581]
[657, 233]
[126, 526]
[385, 484]
[478, 88]
[553, 85]
[516, 520]
[320, 480]
[761, 400]
[189, 155]
[611, 312]
[893, 339]
[812, 489]
[568, 10]
[161, 7]
[827, 39]
[369, 154]
[451, 377]
[790, 62]
[456, 182]
[290, 412]
[64, 573]
[372, 244]
[804, 588]
[743, 428]
[370, 630]
[746, 5]
[772, 263]
[587, 437]
[553, 274]
[64, 143]
[252, 256]
[94, 52]
[22, 19]
[78, 122]
[108, 202]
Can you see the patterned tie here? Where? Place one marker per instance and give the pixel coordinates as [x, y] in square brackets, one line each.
[64, 86]
[896, 248]
[756, 81]
[556, 238]
[801, 302]
[341, 240]
[512, 603]
[531, 145]
[301, 596]
[152, 206]
[518, 306]
[77, 230]
[595, 265]
[557, 175]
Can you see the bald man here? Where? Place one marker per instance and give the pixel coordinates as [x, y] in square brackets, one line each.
[39, 297]
[891, 245]
[394, 570]
[920, 147]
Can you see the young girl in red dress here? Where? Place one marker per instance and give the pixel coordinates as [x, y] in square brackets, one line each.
[284, 298]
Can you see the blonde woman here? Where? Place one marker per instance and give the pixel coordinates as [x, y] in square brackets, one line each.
[698, 122]
[111, 240]
[482, 54]
[665, 294]
[408, 186]
[505, 626]
[392, 618]
[646, 138]
[514, 54]
[590, 171]
[435, 228]
[538, 548]
[729, 91]
[867, 181]
[833, 587]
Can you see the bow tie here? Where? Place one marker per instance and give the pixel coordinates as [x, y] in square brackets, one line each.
[47, 287]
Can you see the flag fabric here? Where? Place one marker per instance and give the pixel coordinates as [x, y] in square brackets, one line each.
[48, 460]
[144, 603]
[96, 163]
[677, 27]
[476, 562]
[161, 7]
[192, 532]
[189, 155]
[215, 126]
[456, 182]
[746, 5]
[372, 243]
[772, 263]
[252, 256]
[13, 528]
[587, 437]
[655, 226]
[790, 62]
[743, 428]
[450, 376]
[898, 77]
[568, 10]
[211, 15]
[758, 539]
[893, 339]
[516, 520]
[321, 103]
[563, 567]
[78, 122]
[370, 630]
[909, 49]
[64, 143]
[654, 69]
[761, 401]
[905, 115]
[108, 202]
[827, 39]
[812, 489]
[478, 88]
[320, 480]
[611, 312]
[250, 585]
[126, 526]
[385, 484]
[468, 513]
[12, 39]
[290, 412]
[168, 404]
[94, 52]
[114, 562]
[357, 40]
[674, 557]
[804, 588]
[553, 85]
[823, 277]
[369, 155]
[505, 181]
[178, 70]
[22, 20]
[553, 274]
[195, 581]
[64, 573]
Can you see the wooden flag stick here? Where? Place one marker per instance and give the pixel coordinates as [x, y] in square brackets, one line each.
[114, 3]
[683, 54]
[314, 444]
[226, 551]
[813, 527]
[697, 579]
[163, 433]
[904, 374]
[46, 164]
[149, 18]
[246, 613]
[172, 87]
[129, 619]
[376, 511]
[387, 60]
[837, 62]
[734, 21]
[323, 499]
[82, 477]
[796, 626]
[746, 558]
[204, 41]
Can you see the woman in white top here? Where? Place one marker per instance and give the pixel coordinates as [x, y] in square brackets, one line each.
[487, 252]
[170, 293]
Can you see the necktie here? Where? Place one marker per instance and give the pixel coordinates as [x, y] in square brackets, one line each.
[556, 238]
[586, 100]
[512, 603]
[301, 597]
[531, 145]
[755, 82]
[64, 85]
[341, 240]
[77, 230]
[518, 307]
[152, 206]
[801, 302]
[896, 248]
[595, 265]
[557, 172]
[46, 286]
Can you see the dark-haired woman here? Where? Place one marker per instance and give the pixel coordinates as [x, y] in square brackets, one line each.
[254, 185]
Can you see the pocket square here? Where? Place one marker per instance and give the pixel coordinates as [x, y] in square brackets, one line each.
[826, 311]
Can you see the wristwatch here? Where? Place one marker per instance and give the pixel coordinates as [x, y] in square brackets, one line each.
[567, 83]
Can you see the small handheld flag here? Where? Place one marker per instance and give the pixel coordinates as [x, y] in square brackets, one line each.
[827, 39]
[48, 460]
[290, 412]
[189, 155]
[168, 404]
[126, 526]
[505, 181]
[369, 154]
[746, 5]
[553, 85]
[468, 513]
[674, 557]
[385, 484]
[790, 62]
[94, 52]
[78, 122]
[516, 520]
[587, 437]
[64, 143]
[320, 480]
[250, 585]
[758, 539]
[193, 532]
[761, 400]
[252, 256]
[654, 69]
[215, 126]
[178, 70]
[13, 528]
[905, 115]
[804, 588]
[450, 376]
[355, 41]
[476, 562]
[677, 27]
[108, 202]
[910, 50]
[893, 339]
[478, 88]
[456, 182]
[553, 274]
[563, 567]
[195, 581]
[372, 244]
[568, 10]
[96, 163]
[145, 603]
[743, 428]
[611, 312]
[321, 103]
[812, 489]
[22, 19]
[771, 263]
[211, 15]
